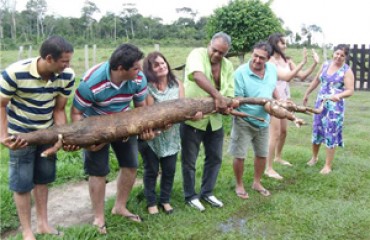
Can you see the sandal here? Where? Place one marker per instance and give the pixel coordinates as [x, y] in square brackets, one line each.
[242, 195]
[101, 229]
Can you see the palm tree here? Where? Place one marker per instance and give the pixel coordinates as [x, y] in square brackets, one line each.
[309, 30]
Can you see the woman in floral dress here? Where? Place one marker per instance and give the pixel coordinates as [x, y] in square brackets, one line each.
[337, 82]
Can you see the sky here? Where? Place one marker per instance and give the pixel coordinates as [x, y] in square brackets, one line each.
[341, 21]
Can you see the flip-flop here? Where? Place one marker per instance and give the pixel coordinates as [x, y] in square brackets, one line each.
[133, 217]
[242, 195]
[263, 192]
[101, 229]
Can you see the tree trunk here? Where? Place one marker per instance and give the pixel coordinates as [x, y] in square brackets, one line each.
[108, 128]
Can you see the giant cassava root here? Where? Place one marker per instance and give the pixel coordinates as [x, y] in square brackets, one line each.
[109, 128]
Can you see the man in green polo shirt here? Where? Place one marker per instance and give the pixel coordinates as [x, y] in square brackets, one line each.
[207, 73]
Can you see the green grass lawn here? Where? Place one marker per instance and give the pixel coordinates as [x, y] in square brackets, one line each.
[304, 205]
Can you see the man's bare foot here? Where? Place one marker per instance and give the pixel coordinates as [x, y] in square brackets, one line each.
[28, 235]
[312, 162]
[126, 214]
[325, 170]
[273, 174]
[48, 230]
[283, 162]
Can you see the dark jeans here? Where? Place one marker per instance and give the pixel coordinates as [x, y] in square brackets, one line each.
[97, 163]
[191, 139]
[151, 170]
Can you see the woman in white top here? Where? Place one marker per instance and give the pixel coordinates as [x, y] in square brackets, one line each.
[278, 127]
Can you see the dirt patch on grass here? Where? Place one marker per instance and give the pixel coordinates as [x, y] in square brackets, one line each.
[70, 205]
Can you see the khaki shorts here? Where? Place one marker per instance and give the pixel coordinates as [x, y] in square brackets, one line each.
[243, 134]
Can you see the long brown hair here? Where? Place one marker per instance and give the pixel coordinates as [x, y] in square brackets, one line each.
[149, 73]
[273, 40]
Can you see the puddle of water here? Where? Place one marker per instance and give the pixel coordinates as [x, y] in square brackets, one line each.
[234, 224]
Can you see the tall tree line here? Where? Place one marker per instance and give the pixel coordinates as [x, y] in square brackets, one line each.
[247, 21]
[34, 24]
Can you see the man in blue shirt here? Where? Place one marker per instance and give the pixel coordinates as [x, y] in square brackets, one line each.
[257, 78]
[109, 88]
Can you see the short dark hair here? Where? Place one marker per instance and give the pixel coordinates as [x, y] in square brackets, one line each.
[148, 69]
[343, 47]
[273, 40]
[55, 46]
[125, 55]
[264, 46]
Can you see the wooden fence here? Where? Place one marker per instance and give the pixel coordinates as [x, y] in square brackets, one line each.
[359, 60]
[22, 55]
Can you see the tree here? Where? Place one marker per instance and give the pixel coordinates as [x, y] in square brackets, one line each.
[129, 11]
[118, 126]
[290, 35]
[246, 21]
[108, 26]
[38, 9]
[297, 37]
[88, 11]
[308, 32]
[3, 9]
[13, 24]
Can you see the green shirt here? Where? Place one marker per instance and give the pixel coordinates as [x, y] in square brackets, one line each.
[198, 60]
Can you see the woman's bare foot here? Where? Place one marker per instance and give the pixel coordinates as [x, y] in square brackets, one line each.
[153, 210]
[325, 170]
[167, 208]
[312, 162]
[273, 174]
[283, 162]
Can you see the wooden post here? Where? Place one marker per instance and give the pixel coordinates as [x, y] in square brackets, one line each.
[94, 54]
[368, 69]
[362, 66]
[30, 51]
[1, 48]
[86, 57]
[20, 53]
[156, 47]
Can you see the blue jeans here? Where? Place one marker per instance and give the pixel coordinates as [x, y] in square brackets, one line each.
[191, 139]
[27, 168]
[151, 170]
